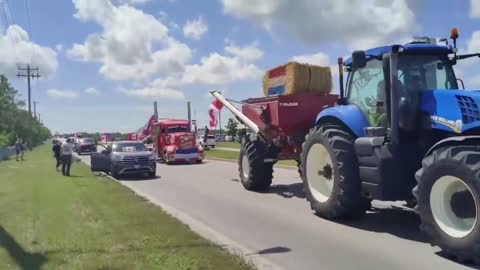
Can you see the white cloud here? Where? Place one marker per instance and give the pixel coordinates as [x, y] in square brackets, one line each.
[59, 47]
[133, 45]
[132, 2]
[317, 21]
[62, 93]
[92, 91]
[475, 8]
[151, 92]
[219, 69]
[247, 53]
[319, 59]
[195, 29]
[473, 83]
[17, 48]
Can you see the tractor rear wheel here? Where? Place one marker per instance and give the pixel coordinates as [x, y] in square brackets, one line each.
[448, 197]
[329, 170]
[255, 173]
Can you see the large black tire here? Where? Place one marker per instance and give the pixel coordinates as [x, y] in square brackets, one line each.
[260, 173]
[460, 162]
[345, 198]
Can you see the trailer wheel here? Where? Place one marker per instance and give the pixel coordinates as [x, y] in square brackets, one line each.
[255, 173]
[329, 171]
[448, 197]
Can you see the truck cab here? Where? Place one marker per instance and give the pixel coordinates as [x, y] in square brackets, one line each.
[173, 142]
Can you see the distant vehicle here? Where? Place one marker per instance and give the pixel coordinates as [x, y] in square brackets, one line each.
[85, 145]
[228, 138]
[123, 158]
[211, 142]
[173, 142]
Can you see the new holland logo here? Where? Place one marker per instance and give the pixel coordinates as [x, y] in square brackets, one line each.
[456, 126]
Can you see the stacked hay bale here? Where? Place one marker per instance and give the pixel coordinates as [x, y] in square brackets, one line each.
[295, 78]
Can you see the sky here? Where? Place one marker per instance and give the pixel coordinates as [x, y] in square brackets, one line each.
[104, 62]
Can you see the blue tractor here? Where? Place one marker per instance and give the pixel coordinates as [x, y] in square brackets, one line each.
[403, 130]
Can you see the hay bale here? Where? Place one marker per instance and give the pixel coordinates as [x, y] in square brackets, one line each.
[287, 79]
[320, 80]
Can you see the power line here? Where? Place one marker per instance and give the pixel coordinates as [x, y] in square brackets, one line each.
[27, 9]
[29, 75]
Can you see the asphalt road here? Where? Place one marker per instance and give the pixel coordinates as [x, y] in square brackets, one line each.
[279, 226]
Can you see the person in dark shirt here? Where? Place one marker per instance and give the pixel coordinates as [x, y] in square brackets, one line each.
[56, 153]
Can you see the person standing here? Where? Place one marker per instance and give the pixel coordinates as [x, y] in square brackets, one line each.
[67, 151]
[19, 149]
[56, 149]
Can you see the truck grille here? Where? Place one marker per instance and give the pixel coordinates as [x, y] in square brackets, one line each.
[129, 160]
[469, 109]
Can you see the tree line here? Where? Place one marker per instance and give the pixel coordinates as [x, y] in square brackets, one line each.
[15, 122]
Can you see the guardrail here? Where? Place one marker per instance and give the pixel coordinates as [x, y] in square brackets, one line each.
[6, 153]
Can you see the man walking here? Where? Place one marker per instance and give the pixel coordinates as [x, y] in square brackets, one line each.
[19, 148]
[67, 151]
[56, 153]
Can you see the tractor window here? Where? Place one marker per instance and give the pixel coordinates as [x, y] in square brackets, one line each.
[426, 72]
[366, 87]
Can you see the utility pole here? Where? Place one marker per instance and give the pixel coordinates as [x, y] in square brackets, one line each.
[35, 109]
[189, 116]
[29, 75]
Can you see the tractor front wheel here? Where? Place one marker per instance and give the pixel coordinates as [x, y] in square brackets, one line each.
[255, 173]
[330, 175]
[448, 197]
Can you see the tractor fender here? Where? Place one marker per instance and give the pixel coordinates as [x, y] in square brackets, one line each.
[454, 141]
[348, 115]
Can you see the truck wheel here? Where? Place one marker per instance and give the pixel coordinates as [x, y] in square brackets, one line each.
[448, 197]
[329, 171]
[255, 174]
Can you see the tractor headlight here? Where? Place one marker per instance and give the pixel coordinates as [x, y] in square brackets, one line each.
[152, 157]
[117, 158]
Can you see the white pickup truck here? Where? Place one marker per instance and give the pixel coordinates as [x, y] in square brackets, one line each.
[209, 143]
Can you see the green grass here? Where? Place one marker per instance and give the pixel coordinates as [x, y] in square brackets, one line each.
[235, 145]
[48, 221]
[233, 156]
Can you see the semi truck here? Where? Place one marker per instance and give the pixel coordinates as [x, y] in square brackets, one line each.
[401, 128]
[174, 143]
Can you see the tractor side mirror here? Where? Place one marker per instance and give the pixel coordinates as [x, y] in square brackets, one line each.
[359, 59]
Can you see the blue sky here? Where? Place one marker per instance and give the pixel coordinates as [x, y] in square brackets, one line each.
[129, 53]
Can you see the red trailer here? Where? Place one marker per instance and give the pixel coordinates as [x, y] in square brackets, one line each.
[281, 123]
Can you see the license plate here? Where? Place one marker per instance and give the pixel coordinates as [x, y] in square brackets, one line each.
[136, 166]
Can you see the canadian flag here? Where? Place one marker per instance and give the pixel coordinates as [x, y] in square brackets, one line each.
[213, 112]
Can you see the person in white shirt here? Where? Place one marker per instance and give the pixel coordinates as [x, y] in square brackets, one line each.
[67, 151]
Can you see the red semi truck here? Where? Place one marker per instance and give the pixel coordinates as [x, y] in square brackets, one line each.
[173, 142]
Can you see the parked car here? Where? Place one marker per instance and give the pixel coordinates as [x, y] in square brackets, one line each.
[123, 158]
[210, 143]
[85, 145]
[228, 138]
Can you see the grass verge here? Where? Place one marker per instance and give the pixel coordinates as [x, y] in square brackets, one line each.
[233, 156]
[235, 145]
[48, 221]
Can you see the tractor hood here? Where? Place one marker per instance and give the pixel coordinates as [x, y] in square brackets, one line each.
[452, 110]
